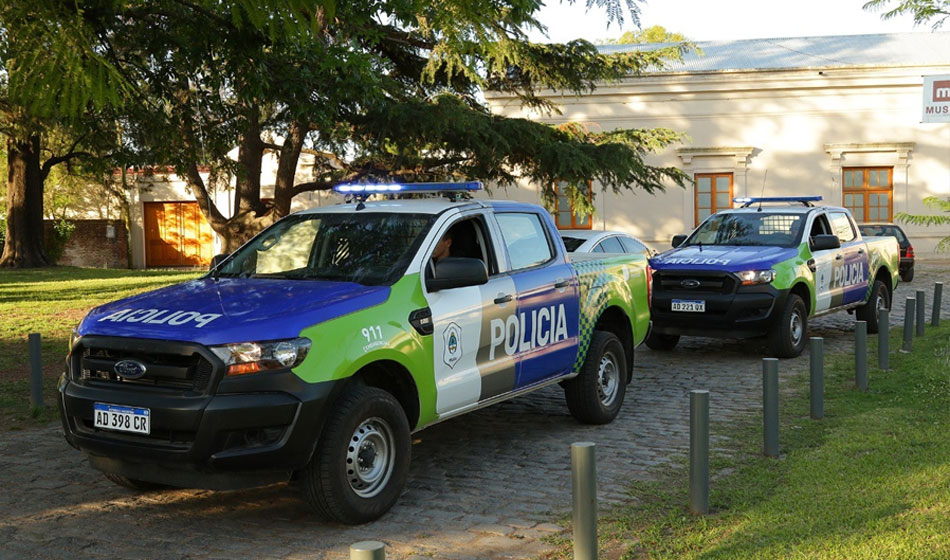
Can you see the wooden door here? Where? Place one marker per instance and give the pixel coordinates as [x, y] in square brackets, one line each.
[176, 234]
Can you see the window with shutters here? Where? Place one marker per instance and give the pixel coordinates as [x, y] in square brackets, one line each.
[564, 215]
[713, 192]
[868, 192]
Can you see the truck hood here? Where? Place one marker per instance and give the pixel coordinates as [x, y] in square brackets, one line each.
[727, 258]
[230, 310]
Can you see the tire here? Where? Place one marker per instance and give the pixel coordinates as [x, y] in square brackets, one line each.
[908, 274]
[134, 484]
[787, 337]
[661, 342]
[880, 299]
[367, 425]
[596, 394]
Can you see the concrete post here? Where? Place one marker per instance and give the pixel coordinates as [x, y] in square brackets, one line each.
[921, 311]
[36, 370]
[770, 406]
[699, 452]
[816, 349]
[910, 305]
[883, 340]
[584, 486]
[938, 301]
[861, 356]
[368, 550]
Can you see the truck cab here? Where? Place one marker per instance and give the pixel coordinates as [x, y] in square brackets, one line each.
[764, 269]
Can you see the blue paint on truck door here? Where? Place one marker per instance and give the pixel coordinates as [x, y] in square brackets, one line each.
[850, 274]
[544, 330]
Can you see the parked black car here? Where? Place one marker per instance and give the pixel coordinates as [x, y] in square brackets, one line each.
[907, 250]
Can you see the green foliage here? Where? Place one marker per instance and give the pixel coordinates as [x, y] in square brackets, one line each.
[930, 220]
[654, 34]
[56, 243]
[923, 11]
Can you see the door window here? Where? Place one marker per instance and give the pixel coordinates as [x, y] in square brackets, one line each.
[525, 239]
[611, 245]
[842, 227]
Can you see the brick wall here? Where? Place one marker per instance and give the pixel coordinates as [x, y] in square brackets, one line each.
[89, 246]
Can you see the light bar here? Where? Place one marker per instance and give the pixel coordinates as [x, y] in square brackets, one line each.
[747, 200]
[391, 188]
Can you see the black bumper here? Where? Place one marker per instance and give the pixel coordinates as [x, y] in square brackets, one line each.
[236, 432]
[732, 311]
[905, 265]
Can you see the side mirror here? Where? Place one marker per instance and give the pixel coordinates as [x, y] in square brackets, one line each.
[679, 239]
[824, 242]
[216, 260]
[457, 272]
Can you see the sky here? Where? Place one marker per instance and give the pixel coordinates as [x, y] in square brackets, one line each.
[714, 20]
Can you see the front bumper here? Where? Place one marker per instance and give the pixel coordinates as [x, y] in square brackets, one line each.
[236, 432]
[732, 311]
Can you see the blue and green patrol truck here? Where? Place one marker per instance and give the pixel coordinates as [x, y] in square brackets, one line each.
[313, 351]
[765, 269]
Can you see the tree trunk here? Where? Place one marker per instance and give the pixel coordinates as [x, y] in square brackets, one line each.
[24, 238]
[287, 168]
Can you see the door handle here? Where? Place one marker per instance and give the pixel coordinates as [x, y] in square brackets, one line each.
[560, 284]
[838, 257]
[503, 299]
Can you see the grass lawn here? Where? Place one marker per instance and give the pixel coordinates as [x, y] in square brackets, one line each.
[869, 481]
[51, 302]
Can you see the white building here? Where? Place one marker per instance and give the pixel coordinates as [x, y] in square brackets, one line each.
[834, 116]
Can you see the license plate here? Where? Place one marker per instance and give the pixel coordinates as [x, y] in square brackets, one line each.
[691, 305]
[122, 418]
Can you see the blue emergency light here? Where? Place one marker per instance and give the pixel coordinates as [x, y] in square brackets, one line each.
[401, 188]
[747, 201]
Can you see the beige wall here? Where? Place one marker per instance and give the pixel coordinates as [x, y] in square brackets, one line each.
[799, 127]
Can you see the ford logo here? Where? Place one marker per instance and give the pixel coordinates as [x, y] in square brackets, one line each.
[129, 369]
[690, 283]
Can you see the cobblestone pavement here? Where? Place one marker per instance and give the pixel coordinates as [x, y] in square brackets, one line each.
[486, 485]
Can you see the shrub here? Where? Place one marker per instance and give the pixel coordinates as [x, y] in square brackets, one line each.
[56, 244]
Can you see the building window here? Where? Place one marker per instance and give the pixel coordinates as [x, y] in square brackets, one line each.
[713, 193]
[564, 215]
[869, 192]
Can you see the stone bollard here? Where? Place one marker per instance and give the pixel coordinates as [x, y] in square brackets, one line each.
[699, 452]
[36, 370]
[921, 310]
[938, 301]
[368, 550]
[861, 356]
[770, 406]
[910, 305]
[816, 350]
[883, 340]
[584, 486]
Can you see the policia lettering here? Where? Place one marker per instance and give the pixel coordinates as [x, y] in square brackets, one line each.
[548, 325]
[160, 317]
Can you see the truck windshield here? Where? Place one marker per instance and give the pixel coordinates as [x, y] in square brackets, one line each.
[759, 228]
[362, 247]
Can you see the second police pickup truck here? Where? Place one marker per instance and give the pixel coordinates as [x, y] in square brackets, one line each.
[765, 270]
[315, 349]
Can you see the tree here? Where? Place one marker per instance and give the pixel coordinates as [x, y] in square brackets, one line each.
[923, 11]
[653, 34]
[927, 220]
[377, 90]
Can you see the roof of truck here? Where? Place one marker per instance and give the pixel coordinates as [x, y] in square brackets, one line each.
[419, 206]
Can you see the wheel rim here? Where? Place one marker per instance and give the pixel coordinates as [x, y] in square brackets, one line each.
[370, 457]
[880, 303]
[608, 376]
[796, 327]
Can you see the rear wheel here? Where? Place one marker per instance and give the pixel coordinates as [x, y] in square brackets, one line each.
[908, 274]
[880, 299]
[596, 394]
[787, 337]
[662, 342]
[361, 462]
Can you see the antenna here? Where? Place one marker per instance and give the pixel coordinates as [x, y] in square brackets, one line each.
[762, 194]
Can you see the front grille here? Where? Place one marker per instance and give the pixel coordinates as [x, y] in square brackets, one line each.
[699, 282]
[170, 366]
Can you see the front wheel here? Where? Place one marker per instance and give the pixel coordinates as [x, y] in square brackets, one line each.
[880, 299]
[596, 394]
[787, 337]
[361, 462]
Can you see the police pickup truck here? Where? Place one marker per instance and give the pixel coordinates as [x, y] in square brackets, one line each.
[765, 270]
[313, 351]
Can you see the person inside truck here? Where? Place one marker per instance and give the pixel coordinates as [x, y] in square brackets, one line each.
[442, 249]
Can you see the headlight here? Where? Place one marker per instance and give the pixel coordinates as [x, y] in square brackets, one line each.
[251, 357]
[750, 277]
